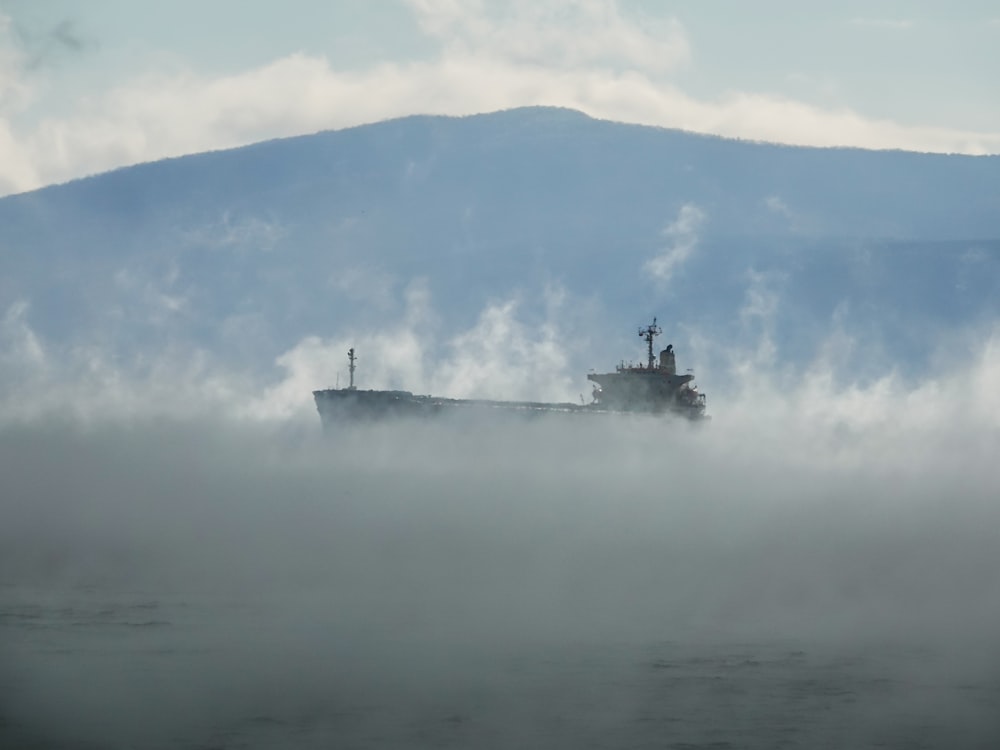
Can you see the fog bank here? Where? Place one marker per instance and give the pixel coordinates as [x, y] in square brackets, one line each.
[405, 559]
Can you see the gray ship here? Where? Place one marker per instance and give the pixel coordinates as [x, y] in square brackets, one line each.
[651, 388]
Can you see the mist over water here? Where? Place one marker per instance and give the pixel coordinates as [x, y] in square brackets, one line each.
[783, 575]
[186, 563]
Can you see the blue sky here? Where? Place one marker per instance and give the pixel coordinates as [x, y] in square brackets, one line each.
[89, 86]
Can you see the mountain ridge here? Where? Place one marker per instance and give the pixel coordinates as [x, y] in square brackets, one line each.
[244, 252]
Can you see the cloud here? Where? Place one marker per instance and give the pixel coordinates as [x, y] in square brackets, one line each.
[588, 56]
[9, 57]
[500, 356]
[757, 316]
[89, 380]
[157, 297]
[682, 236]
[504, 357]
[776, 204]
[792, 219]
[22, 349]
[561, 33]
[18, 169]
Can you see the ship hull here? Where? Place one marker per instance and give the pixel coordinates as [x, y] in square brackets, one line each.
[344, 406]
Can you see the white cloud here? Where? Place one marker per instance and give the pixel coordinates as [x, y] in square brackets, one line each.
[17, 168]
[757, 317]
[22, 354]
[501, 356]
[394, 357]
[14, 91]
[682, 238]
[157, 297]
[563, 33]
[777, 205]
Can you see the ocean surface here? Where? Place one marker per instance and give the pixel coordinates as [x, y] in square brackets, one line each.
[96, 667]
[205, 587]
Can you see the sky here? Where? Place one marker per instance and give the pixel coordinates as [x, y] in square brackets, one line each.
[88, 87]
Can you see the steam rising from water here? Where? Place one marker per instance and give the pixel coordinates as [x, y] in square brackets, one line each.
[166, 580]
[413, 561]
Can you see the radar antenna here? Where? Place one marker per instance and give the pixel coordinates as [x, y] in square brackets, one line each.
[351, 358]
[649, 333]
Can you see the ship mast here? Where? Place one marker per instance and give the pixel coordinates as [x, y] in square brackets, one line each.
[351, 358]
[649, 333]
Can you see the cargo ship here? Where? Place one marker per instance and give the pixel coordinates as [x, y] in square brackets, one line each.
[651, 388]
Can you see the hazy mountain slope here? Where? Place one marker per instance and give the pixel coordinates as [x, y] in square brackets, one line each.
[244, 252]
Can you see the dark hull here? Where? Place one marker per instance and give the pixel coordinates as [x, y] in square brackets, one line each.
[338, 406]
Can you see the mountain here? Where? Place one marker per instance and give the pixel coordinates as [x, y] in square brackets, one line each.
[241, 254]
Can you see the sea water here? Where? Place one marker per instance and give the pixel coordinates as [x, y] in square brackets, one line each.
[199, 589]
[96, 668]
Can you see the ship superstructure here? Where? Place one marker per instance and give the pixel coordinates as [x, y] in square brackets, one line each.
[653, 388]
